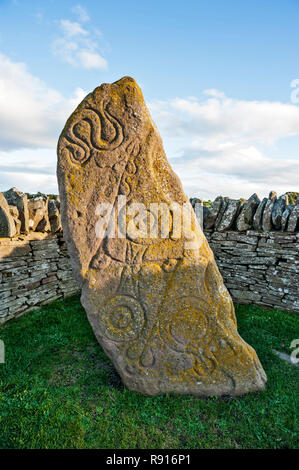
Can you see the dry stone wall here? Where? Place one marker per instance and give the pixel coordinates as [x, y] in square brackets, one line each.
[259, 266]
[34, 270]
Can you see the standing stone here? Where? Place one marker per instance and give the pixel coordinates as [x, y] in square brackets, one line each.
[44, 224]
[15, 215]
[285, 217]
[54, 215]
[157, 305]
[199, 209]
[195, 200]
[204, 213]
[293, 222]
[267, 214]
[245, 218]
[37, 208]
[292, 196]
[7, 225]
[278, 210]
[16, 198]
[212, 213]
[258, 216]
[221, 212]
[229, 216]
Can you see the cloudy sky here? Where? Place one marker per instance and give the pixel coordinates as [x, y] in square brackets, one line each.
[221, 80]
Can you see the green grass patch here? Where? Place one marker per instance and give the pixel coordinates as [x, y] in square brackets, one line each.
[59, 390]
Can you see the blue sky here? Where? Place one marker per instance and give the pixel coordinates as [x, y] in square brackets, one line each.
[216, 75]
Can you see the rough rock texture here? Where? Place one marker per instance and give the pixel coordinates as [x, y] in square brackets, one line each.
[258, 216]
[15, 215]
[7, 225]
[229, 215]
[37, 211]
[54, 215]
[223, 207]
[158, 306]
[267, 214]
[34, 270]
[259, 268]
[16, 198]
[285, 217]
[278, 210]
[293, 222]
[245, 218]
[212, 213]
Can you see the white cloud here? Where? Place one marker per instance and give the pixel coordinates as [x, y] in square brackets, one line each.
[81, 13]
[70, 28]
[30, 170]
[225, 146]
[91, 60]
[31, 114]
[216, 145]
[77, 46]
[234, 170]
[223, 117]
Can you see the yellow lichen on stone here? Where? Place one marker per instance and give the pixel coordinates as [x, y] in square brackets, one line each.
[157, 304]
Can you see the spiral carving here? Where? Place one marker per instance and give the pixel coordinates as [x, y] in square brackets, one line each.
[91, 132]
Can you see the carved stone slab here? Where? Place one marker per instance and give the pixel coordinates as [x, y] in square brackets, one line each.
[157, 304]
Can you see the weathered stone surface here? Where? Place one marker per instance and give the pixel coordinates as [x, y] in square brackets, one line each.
[15, 215]
[16, 198]
[37, 209]
[278, 210]
[223, 207]
[7, 225]
[33, 271]
[199, 209]
[285, 217]
[26, 264]
[158, 306]
[44, 224]
[245, 218]
[258, 216]
[293, 222]
[267, 214]
[212, 213]
[229, 215]
[54, 215]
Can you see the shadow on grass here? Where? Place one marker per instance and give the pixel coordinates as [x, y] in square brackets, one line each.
[59, 390]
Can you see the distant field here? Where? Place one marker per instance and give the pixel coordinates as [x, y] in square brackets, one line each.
[59, 390]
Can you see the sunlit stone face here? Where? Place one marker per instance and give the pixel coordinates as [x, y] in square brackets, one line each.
[150, 286]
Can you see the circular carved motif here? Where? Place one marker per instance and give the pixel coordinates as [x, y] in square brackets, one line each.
[185, 322]
[122, 318]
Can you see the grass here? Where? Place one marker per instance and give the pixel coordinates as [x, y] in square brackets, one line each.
[59, 390]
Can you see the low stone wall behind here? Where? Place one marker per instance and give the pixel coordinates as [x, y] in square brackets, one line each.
[34, 270]
[258, 268]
